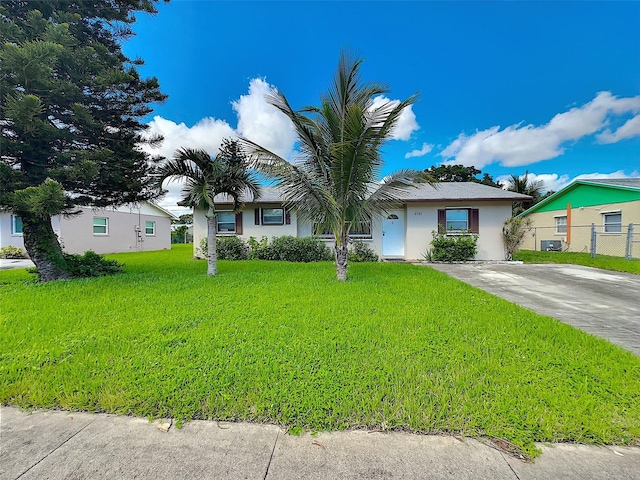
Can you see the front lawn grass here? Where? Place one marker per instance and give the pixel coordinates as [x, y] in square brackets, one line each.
[397, 347]
[618, 264]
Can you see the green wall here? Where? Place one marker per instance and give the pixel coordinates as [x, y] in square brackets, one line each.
[588, 196]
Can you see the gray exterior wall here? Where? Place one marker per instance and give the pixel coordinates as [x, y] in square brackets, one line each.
[76, 233]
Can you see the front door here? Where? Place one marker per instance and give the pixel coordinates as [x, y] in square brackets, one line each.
[393, 234]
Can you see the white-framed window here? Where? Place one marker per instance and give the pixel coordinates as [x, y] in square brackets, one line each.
[457, 220]
[226, 222]
[612, 222]
[561, 224]
[100, 226]
[273, 216]
[149, 228]
[16, 225]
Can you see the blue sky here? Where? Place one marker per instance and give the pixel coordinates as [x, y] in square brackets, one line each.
[552, 88]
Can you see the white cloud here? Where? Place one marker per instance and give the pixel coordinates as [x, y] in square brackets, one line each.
[555, 182]
[631, 128]
[616, 174]
[262, 123]
[426, 148]
[518, 145]
[206, 134]
[406, 123]
[550, 181]
[258, 121]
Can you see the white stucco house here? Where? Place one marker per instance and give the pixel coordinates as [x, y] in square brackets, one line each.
[128, 228]
[403, 233]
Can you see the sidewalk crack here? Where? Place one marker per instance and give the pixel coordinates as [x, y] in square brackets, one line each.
[509, 465]
[52, 451]
[271, 457]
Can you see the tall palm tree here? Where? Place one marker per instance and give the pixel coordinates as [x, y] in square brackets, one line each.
[205, 178]
[335, 184]
[526, 186]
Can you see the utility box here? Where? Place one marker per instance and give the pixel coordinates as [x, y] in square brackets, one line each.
[550, 245]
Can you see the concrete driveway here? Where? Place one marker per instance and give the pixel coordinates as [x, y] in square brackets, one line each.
[600, 302]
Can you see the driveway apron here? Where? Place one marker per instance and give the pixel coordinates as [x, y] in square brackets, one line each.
[600, 302]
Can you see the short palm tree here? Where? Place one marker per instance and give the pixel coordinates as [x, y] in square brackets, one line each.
[335, 184]
[527, 186]
[205, 178]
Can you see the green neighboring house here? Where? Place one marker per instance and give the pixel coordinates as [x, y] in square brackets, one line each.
[564, 220]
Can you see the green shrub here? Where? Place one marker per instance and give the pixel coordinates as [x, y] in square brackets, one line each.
[204, 247]
[257, 248]
[453, 248]
[362, 252]
[232, 248]
[514, 230]
[91, 265]
[290, 249]
[12, 252]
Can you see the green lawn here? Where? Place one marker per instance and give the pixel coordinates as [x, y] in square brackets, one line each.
[396, 347]
[605, 262]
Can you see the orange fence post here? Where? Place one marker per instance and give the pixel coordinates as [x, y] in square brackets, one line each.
[568, 224]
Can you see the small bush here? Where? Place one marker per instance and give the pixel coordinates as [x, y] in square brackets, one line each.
[513, 233]
[91, 265]
[257, 248]
[232, 248]
[290, 249]
[453, 248]
[204, 248]
[12, 252]
[362, 252]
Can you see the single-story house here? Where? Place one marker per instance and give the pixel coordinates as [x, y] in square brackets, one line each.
[564, 220]
[403, 233]
[128, 228]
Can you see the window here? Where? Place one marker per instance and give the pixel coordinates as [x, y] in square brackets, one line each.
[561, 224]
[16, 225]
[226, 222]
[458, 220]
[273, 216]
[100, 226]
[149, 228]
[612, 222]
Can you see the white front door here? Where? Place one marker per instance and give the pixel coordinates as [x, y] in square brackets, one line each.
[393, 234]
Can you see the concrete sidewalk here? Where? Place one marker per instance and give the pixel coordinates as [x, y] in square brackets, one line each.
[9, 263]
[63, 445]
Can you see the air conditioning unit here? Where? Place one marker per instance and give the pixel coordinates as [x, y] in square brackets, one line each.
[550, 245]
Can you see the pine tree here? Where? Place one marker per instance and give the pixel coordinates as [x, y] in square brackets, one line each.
[70, 110]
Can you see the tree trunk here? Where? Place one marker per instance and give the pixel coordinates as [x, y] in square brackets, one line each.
[212, 255]
[43, 248]
[342, 255]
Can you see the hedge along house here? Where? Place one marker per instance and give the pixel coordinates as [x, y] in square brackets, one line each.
[587, 214]
[127, 228]
[403, 233]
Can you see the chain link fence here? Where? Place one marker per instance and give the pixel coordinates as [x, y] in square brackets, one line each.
[614, 240]
[181, 237]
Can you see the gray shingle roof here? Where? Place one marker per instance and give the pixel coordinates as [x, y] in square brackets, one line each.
[458, 191]
[618, 182]
[422, 193]
[269, 195]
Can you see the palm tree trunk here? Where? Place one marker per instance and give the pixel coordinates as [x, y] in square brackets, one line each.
[212, 255]
[43, 248]
[342, 255]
